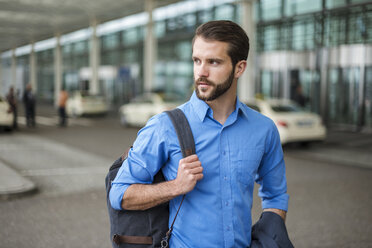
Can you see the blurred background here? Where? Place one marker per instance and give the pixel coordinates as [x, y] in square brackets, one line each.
[121, 62]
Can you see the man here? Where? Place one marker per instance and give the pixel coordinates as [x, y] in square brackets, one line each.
[12, 100]
[63, 96]
[29, 101]
[235, 146]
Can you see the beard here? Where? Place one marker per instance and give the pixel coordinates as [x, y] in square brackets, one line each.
[217, 91]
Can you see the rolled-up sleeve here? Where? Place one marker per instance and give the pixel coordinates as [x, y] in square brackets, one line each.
[145, 159]
[271, 174]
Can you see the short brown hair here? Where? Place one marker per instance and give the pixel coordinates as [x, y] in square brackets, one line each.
[229, 32]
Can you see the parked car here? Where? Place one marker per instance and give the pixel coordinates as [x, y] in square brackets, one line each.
[294, 124]
[6, 115]
[140, 109]
[79, 104]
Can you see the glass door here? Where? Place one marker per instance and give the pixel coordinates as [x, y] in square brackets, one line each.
[368, 98]
[343, 98]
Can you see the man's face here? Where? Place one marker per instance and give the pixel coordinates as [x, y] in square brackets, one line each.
[213, 70]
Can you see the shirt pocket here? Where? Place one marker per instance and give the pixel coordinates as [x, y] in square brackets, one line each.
[247, 163]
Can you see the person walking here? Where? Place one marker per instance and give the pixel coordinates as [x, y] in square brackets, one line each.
[299, 97]
[235, 147]
[63, 96]
[12, 100]
[29, 102]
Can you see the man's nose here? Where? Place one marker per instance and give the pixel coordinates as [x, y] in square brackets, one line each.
[202, 70]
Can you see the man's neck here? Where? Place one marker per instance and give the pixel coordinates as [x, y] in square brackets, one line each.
[224, 105]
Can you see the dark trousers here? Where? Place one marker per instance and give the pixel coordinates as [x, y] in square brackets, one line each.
[62, 116]
[15, 123]
[30, 116]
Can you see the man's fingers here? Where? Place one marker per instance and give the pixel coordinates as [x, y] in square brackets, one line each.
[197, 170]
[190, 159]
[188, 166]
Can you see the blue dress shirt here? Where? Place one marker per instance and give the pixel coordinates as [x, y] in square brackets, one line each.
[217, 212]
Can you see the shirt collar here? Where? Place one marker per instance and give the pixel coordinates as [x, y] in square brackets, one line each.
[202, 109]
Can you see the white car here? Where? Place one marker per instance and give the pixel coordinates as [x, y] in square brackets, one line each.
[143, 107]
[293, 123]
[79, 104]
[6, 116]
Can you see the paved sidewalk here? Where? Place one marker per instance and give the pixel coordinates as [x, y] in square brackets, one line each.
[342, 148]
[62, 168]
[12, 183]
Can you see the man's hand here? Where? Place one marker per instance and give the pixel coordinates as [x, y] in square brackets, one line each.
[189, 173]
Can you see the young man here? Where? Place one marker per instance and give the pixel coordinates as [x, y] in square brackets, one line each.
[235, 147]
[30, 102]
[12, 100]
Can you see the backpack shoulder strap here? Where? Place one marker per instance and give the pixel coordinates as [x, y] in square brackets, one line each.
[183, 130]
[187, 144]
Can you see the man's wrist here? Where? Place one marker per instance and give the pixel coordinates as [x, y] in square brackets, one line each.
[279, 212]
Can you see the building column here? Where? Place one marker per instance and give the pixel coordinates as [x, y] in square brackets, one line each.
[2, 85]
[33, 68]
[94, 60]
[322, 66]
[57, 69]
[246, 86]
[14, 69]
[150, 49]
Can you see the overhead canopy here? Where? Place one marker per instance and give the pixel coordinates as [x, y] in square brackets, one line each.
[25, 21]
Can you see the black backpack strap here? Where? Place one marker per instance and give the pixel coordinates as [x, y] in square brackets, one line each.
[183, 130]
[187, 144]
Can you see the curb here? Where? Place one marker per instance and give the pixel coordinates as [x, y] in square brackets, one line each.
[12, 184]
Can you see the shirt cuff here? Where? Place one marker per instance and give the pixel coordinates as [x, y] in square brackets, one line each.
[116, 195]
[278, 202]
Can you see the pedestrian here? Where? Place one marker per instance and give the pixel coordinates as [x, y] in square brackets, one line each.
[63, 96]
[235, 146]
[29, 102]
[299, 97]
[12, 100]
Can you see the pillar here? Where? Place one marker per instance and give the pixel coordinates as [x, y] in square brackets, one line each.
[14, 69]
[33, 68]
[57, 69]
[150, 49]
[94, 60]
[2, 85]
[246, 85]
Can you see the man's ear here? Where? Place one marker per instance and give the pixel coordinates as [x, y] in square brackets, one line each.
[240, 68]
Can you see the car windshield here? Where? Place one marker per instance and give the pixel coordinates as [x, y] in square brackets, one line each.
[281, 108]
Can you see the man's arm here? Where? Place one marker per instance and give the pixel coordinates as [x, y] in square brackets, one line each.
[144, 196]
[279, 212]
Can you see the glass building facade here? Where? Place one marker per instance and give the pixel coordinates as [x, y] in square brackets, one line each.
[324, 45]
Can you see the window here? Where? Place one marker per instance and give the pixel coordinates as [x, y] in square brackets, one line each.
[130, 36]
[225, 12]
[335, 3]
[271, 9]
[110, 41]
[271, 38]
[295, 7]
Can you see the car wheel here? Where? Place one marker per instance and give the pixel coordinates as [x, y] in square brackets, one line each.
[305, 144]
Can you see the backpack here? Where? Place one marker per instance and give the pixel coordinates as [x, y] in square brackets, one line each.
[147, 228]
